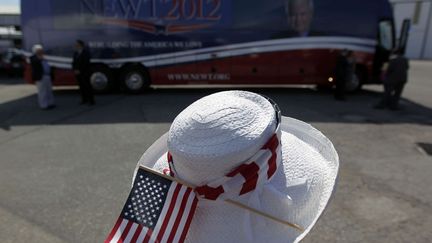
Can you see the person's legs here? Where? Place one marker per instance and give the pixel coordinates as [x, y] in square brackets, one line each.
[81, 85]
[388, 90]
[397, 92]
[340, 89]
[89, 91]
[44, 89]
[50, 95]
[386, 99]
[41, 94]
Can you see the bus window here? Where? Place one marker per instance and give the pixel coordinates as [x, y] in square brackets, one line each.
[386, 36]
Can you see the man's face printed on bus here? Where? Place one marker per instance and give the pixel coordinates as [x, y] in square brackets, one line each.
[300, 14]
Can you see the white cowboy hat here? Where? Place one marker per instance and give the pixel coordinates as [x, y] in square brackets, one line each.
[225, 131]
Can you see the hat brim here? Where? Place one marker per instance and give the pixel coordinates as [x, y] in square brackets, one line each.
[303, 188]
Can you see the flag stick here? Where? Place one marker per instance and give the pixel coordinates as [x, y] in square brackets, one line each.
[295, 226]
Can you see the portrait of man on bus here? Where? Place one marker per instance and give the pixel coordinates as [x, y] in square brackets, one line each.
[299, 16]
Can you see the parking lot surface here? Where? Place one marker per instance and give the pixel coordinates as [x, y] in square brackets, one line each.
[65, 173]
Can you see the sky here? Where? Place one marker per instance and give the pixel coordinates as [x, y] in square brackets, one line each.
[9, 6]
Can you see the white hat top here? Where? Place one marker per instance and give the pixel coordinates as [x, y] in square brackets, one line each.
[218, 132]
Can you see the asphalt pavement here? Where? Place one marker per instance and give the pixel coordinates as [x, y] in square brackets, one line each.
[65, 173]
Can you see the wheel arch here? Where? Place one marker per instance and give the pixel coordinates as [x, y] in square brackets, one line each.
[136, 65]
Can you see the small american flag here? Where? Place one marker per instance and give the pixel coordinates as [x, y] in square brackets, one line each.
[157, 210]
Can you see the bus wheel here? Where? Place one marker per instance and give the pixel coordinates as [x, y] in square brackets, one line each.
[135, 79]
[101, 79]
[354, 84]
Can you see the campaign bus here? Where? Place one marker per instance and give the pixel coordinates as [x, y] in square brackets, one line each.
[139, 43]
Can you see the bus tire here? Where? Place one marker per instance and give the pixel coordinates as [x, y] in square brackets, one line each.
[356, 83]
[135, 79]
[101, 79]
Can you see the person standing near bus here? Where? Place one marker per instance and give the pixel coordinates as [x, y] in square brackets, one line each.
[342, 66]
[81, 67]
[394, 82]
[41, 75]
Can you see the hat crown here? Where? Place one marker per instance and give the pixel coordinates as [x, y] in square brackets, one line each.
[218, 132]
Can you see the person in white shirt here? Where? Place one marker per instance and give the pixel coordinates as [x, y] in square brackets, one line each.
[41, 75]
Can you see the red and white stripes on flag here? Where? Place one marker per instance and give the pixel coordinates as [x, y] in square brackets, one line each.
[157, 210]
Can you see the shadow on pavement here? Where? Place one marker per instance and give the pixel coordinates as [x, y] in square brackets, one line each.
[10, 80]
[162, 106]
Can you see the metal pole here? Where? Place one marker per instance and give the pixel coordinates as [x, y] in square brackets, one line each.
[425, 38]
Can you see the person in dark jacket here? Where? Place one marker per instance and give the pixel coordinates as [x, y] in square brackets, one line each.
[81, 67]
[395, 79]
[342, 74]
[41, 75]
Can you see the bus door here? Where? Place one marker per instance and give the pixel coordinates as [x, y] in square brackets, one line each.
[403, 39]
[386, 43]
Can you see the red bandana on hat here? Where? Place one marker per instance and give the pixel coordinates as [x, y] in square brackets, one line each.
[256, 171]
